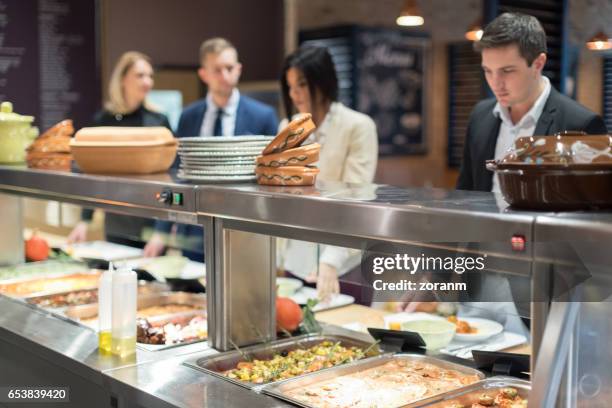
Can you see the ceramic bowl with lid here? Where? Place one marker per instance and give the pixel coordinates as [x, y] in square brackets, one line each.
[555, 173]
[16, 134]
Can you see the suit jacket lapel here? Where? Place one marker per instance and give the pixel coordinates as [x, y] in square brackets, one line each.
[546, 118]
[198, 119]
[239, 127]
[490, 128]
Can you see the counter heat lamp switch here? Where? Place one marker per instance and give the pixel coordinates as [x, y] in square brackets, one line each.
[164, 197]
[518, 243]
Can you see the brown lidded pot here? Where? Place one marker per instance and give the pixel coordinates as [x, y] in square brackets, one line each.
[567, 171]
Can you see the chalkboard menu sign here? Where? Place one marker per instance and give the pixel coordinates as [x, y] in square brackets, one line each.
[391, 87]
[384, 76]
[48, 59]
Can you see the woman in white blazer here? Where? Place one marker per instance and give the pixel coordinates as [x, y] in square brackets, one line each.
[349, 153]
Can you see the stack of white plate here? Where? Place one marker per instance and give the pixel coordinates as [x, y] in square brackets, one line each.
[220, 159]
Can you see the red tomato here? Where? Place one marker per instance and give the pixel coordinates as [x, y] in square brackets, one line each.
[288, 314]
[36, 248]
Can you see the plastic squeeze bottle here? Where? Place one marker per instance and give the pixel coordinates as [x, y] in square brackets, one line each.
[123, 341]
[105, 296]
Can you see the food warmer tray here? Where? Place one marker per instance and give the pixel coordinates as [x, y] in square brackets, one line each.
[280, 389]
[218, 364]
[468, 395]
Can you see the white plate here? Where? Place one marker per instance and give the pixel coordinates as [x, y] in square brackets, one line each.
[246, 145]
[107, 251]
[287, 286]
[301, 297]
[226, 139]
[399, 318]
[218, 169]
[486, 328]
[169, 266]
[233, 148]
[219, 172]
[229, 153]
[239, 163]
[217, 160]
[216, 179]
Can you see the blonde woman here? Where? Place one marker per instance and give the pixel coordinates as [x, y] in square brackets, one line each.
[130, 83]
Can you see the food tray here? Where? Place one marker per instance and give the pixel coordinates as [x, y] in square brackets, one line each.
[28, 287]
[147, 288]
[280, 389]
[218, 364]
[469, 395]
[183, 320]
[44, 268]
[90, 311]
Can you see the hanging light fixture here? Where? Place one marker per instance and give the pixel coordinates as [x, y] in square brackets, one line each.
[599, 42]
[474, 32]
[410, 14]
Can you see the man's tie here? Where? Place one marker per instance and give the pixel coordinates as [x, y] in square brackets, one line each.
[218, 130]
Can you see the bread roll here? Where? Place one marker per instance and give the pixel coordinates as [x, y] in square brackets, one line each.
[54, 140]
[49, 161]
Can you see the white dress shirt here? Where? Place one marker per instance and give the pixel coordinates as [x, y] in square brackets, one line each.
[228, 122]
[349, 154]
[509, 132]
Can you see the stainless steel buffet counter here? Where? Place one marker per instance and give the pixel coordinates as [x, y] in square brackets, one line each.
[239, 220]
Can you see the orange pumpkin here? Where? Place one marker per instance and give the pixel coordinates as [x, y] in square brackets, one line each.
[288, 314]
[36, 248]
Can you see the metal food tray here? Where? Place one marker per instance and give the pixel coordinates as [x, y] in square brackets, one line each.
[8, 284]
[164, 298]
[218, 364]
[280, 389]
[76, 313]
[468, 395]
[35, 270]
[144, 288]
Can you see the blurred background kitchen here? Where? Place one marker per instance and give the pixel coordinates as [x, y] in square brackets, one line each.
[419, 83]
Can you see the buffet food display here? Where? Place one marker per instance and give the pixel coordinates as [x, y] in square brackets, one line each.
[254, 366]
[38, 269]
[163, 318]
[385, 381]
[40, 286]
[494, 392]
[296, 362]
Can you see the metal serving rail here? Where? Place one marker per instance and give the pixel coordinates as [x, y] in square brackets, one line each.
[240, 221]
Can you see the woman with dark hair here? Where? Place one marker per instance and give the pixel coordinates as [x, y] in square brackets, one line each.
[349, 152]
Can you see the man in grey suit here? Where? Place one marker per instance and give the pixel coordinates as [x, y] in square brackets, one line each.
[513, 50]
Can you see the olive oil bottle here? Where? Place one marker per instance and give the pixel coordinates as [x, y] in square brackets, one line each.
[123, 341]
[105, 296]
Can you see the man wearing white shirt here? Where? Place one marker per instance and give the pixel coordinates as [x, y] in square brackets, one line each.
[223, 112]
[513, 50]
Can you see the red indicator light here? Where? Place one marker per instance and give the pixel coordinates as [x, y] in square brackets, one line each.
[518, 243]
